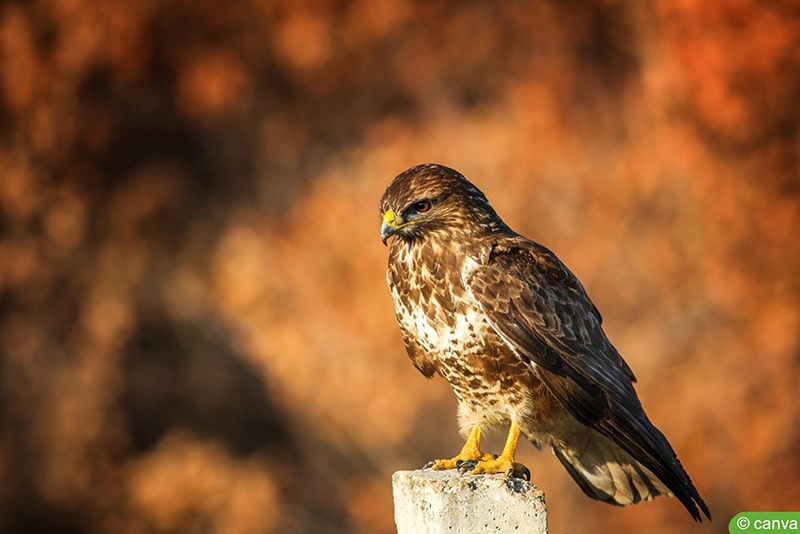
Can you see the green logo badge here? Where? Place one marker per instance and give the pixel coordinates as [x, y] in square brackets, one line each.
[760, 522]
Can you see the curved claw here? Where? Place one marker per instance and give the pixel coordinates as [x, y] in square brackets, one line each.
[520, 471]
[466, 466]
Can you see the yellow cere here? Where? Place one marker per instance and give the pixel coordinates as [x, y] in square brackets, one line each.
[389, 218]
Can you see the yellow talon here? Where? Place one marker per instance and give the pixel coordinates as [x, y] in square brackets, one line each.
[504, 463]
[486, 463]
[470, 452]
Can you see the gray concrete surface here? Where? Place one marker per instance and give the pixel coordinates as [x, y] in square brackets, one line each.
[433, 502]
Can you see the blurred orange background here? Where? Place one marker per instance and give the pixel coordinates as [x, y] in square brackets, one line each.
[195, 330]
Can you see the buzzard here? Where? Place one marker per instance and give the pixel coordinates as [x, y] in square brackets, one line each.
[517, 337]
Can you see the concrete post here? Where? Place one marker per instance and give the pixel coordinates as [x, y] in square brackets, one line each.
[433, 502]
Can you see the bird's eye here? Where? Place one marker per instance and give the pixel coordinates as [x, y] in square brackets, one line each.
[422, 206]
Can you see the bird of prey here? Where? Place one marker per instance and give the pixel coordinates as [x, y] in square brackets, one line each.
[513, 331]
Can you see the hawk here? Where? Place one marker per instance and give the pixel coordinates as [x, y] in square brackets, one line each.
[513, 331]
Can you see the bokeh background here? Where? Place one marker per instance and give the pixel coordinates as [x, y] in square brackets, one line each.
[195, 330]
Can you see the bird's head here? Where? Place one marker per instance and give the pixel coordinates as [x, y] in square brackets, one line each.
[428, 198]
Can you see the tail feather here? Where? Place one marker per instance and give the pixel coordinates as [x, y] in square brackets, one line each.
[637, 465]
[607, 473]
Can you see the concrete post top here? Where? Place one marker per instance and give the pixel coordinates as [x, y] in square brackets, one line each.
[432, 502]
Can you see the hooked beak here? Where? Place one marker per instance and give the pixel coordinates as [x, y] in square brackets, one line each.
[388, 226]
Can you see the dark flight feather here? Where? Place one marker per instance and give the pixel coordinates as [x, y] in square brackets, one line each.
[541, 308]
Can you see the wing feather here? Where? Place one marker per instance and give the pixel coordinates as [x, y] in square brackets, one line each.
[418, 355]
[540, 308]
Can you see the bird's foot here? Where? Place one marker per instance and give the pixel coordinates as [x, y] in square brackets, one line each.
[495, 465]
[462, 458]
[470, 452]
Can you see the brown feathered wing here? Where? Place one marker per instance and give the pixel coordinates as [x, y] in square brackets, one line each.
[540, 308]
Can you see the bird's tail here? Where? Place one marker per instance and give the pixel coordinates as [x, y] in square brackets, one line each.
[607, 473]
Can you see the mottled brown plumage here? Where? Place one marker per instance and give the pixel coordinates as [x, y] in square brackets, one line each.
[515, 334]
